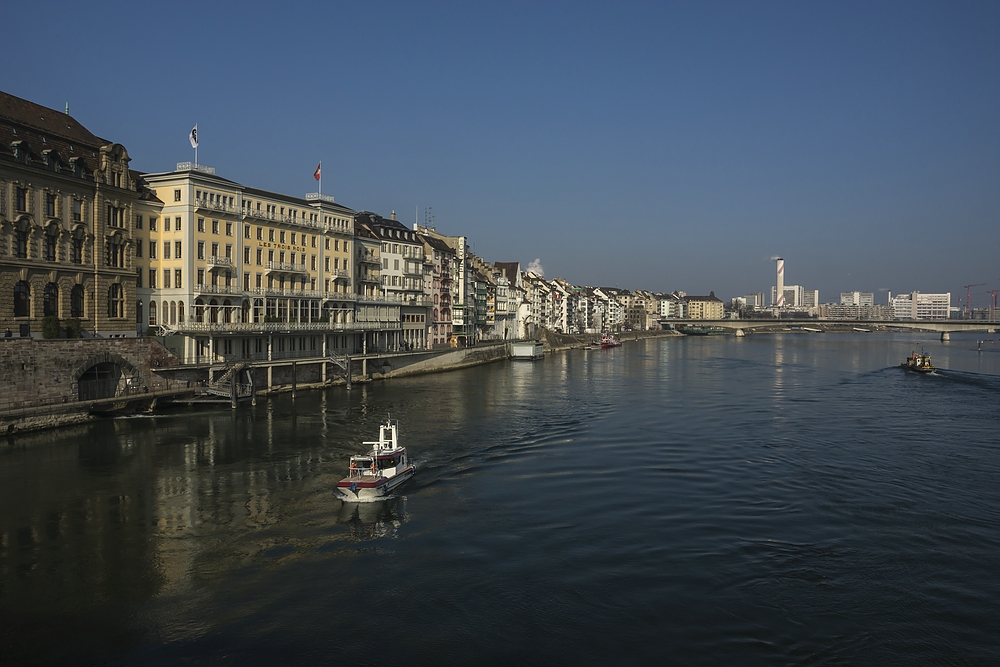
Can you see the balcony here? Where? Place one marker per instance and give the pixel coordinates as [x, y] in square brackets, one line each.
[214, 205]
[280, 327]
[268, 216]
[370, 259]
[215, 260]
[219, 289]
[286, 267]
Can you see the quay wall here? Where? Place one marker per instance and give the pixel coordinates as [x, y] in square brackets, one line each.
[39, 378]
[444, 361]
[556, 341]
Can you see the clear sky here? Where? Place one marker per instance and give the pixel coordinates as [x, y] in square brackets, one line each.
[645, 145]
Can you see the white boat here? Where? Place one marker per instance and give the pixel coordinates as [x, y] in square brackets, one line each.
[378, 473]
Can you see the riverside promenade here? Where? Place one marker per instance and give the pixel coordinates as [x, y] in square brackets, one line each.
[52, 383]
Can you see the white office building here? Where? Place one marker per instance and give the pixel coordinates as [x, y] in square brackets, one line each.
[917, 306]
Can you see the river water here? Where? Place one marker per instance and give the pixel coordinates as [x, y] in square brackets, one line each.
[777, 499]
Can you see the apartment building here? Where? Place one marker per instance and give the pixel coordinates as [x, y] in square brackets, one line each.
[440, 266]
[402, 254]
[704, 307]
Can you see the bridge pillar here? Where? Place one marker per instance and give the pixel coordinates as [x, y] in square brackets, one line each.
[945, 336]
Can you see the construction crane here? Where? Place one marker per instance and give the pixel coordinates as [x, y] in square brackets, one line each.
[968, 299]
[993, 306]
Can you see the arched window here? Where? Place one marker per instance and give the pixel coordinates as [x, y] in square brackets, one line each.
[116, 301]
[22, 299]
[226, 311]
[180, 312]
[173, 312]
[199, 310]
[50, 300]
[152, 313]
[213, 311]
[76, 301]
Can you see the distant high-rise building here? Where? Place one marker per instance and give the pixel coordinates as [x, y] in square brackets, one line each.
[810, 298]
[917, 306]
[857, 299]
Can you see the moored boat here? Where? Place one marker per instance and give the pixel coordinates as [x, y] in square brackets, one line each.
[375, 475]
[919, 363]
[607, 340]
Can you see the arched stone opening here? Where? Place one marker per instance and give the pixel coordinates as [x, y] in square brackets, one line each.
[105, 376]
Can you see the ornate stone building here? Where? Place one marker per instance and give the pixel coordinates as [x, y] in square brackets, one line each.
[67, 199]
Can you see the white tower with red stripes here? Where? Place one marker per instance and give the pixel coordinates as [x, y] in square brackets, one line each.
[779, 292]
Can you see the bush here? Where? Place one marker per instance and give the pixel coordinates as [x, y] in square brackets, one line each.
[73, 328]
[50, 327]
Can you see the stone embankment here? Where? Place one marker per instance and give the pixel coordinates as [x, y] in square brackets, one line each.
[557, 341]
[41, 379]
[45, 382]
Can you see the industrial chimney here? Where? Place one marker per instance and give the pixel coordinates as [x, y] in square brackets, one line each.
[780, 285]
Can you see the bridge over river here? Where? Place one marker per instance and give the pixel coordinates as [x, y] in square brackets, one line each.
[819, 324]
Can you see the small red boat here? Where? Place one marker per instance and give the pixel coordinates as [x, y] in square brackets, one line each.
[607, 340]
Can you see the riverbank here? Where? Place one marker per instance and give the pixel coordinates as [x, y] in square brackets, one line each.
[555, 342]
[51, 394]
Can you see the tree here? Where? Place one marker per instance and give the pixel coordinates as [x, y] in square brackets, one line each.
[50, 327]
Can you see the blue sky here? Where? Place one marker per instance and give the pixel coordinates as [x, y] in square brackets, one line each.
[655, 145]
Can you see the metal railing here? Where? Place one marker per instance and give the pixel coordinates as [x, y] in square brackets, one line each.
[277, 327]
[224, 207]
[216, 260]
[219, 289]
[286, 266]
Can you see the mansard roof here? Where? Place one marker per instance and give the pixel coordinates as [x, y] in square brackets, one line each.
[37, 129]
[509, 270]
[436, 243]
[711, 297]
[386, 228]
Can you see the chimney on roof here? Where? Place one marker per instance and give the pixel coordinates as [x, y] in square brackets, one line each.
[393, 215]
[67, 108]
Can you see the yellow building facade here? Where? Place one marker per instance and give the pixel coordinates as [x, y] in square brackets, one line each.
[243, 273]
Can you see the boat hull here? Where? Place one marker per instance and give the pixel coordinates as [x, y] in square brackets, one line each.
[369, 489]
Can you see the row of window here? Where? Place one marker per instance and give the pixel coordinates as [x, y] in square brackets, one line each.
[409, 251]
[50, 300]
[21, 201]
[153, 245]
[177, 282]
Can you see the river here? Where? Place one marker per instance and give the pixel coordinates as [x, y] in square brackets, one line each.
[776, 499]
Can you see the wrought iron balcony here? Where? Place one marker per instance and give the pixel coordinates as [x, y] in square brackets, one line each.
[287, 267]
[215, 260]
